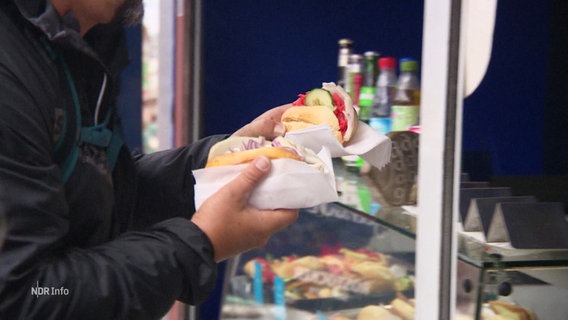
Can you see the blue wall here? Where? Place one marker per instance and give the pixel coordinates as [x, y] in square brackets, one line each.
[130, 98]
[515, 123]
[503, 118]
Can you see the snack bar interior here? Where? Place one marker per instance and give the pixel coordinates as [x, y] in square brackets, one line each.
[455, 209]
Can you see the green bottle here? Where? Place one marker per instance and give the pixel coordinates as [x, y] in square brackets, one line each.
[370, 74]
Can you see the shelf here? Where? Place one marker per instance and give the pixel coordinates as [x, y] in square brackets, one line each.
[494, 255]
[472, 248]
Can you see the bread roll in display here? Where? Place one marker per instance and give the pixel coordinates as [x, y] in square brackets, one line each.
[373, 312]
[511, 311]
[403, 308]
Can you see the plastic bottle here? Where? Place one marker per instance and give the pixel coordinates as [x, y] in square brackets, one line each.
[405, 110]
[384, 94]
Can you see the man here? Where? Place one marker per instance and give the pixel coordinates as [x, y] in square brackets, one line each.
[105, 235]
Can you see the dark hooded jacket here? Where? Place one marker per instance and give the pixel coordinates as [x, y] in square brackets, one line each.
[105, 244]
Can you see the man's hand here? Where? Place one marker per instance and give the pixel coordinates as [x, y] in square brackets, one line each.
[267, 124]
[232, 225]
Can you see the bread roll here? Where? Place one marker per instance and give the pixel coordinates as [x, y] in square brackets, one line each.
[376, 275]
[302, 117]
[403, 308]
[287, 269]
[237, 150]
[374, 312]
[511, 311]
[246, 156]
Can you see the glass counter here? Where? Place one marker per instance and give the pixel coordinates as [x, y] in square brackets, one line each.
[329, 238]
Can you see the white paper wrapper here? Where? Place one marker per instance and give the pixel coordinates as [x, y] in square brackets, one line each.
[367, 143]
[291, 184]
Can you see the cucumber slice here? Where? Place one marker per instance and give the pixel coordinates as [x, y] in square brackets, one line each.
[319, 97]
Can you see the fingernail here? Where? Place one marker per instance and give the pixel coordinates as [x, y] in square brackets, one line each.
[262, 163]
[279, 129]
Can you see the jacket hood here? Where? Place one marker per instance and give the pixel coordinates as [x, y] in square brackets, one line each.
[43, 15]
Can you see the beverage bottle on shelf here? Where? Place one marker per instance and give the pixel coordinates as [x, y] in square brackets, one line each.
[354, 79]
[384, 94]
[355, 87]
[367, 93]
[352, 87]
[345, 50]
[405, 111]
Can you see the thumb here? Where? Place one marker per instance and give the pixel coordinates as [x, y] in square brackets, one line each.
[251, 176]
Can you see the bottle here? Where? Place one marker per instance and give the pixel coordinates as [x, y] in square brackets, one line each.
[367, 93]
[345, 49]
[355, 87]
[354, 78]
[405, 110]
[352, 87]
[384, 94]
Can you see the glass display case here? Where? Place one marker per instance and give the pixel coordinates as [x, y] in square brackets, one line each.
[457, 276]
[335, 260]
[316, 269]
[536, 291]
[532, 282]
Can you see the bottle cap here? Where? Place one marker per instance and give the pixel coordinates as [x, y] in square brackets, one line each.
[345, 42]
[387, 63]
[408, 64]
[355, 57]
[370, 54]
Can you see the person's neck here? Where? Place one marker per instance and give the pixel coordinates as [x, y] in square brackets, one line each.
[65, 6]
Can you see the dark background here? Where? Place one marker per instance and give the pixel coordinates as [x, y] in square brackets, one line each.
[514, 123]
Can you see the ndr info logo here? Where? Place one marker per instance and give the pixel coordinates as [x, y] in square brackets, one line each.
[49, 291]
